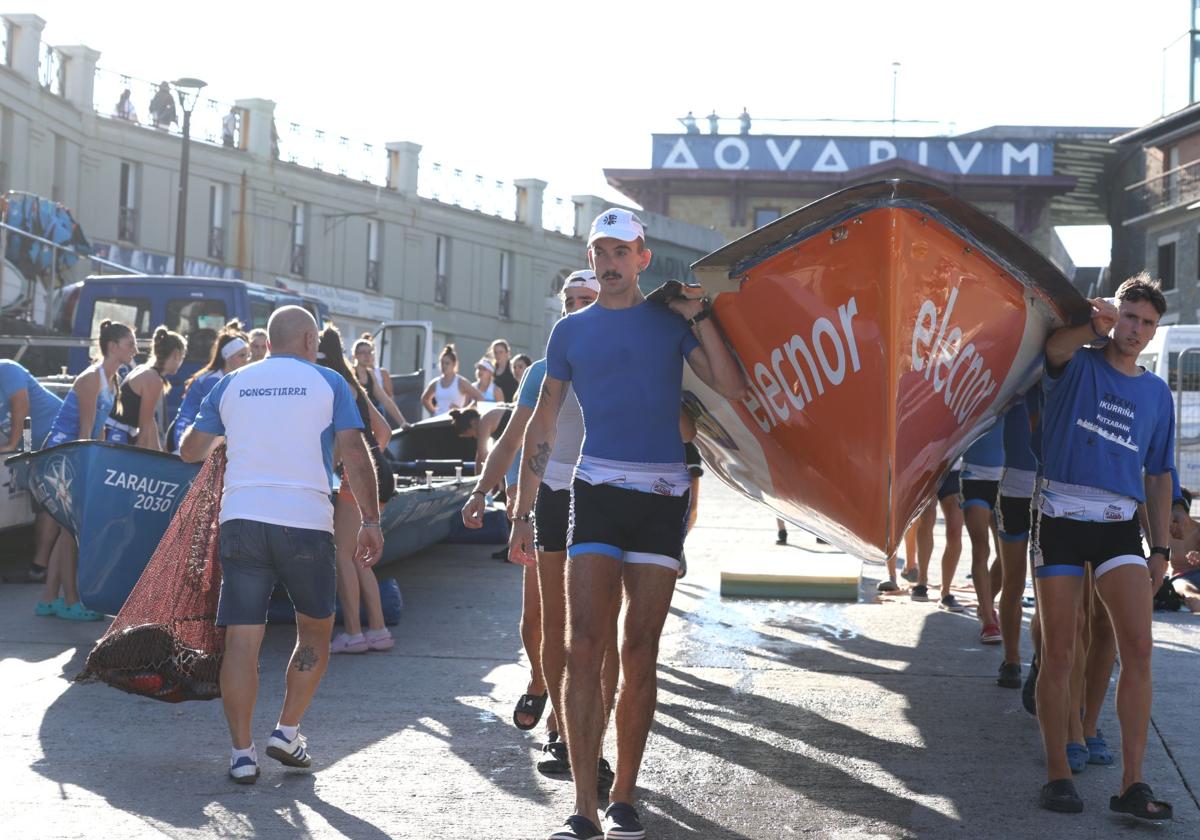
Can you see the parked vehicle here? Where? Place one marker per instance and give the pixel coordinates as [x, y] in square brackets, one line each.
[1174, 355]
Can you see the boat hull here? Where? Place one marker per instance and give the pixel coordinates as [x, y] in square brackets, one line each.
[882, 330]
[419, 516]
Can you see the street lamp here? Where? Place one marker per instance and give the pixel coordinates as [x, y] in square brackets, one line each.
[187, 89]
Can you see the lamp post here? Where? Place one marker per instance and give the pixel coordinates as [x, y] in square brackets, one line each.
[185, 89]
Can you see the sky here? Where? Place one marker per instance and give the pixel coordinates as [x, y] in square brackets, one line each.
[559, 90]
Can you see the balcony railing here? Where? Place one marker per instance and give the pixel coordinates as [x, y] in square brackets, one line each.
[52, 70]
[298, 260]
[216, 243]
[1178, 186]
[127, 224]
[441, 289]
[505, 303]
[373, 275]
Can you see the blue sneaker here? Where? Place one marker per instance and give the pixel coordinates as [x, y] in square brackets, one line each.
[621, 823]
[578, 828]
[292, 753]
[244, 771]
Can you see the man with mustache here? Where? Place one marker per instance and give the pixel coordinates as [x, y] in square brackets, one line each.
[623, 356]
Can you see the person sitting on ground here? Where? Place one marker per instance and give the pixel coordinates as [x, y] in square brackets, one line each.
[258, 344]
[134, 417]
[230, 351]
[485, 382]
[356, 584]
[1185, 554]
[376, 381]
[449, 390]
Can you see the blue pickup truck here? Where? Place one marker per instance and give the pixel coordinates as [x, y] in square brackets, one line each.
[195, 307]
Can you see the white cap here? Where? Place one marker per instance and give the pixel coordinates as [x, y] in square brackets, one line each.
[617, 224]
[585, 278]
[486, 364]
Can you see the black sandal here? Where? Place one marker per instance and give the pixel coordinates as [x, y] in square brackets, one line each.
[1060, 795]
[555, 762]
[1136, 802]
[531, 705]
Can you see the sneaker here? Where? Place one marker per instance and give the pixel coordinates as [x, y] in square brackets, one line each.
[578, 828]
[990, 635]
[950, 603]
[604, 777]
[621, 823]
[244, 771]
[911, 575]
[379, 639]
[77, 612]
[1010, 675]
[292, 753]
[1029, 690]
[43, 608]
[345, 643]
[920, 592]
[887, 586]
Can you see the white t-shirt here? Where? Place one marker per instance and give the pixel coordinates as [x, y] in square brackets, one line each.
[279, 417]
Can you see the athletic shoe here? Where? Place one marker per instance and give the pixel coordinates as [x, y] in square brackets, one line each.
[578, 828]
[345, 643]
[292, 753]
[1010, 675]
[43, 608]
[379, 639]
[244, 771]
[887, 586]
[951, 604]
[1029, 690]
[990, 635]
[77, 612]
[911, 575]
[621, 823]
[920, 592]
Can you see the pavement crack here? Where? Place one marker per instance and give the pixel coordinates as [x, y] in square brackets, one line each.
[1175, 764]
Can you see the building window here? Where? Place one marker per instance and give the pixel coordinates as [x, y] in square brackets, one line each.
[765, 215]
[216, 221]
[373, 255]
[1166, 265]
[299, 262]
[505, 292]
[441, 280]
[127, 208]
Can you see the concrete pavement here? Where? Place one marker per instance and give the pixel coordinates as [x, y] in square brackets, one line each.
[775, 719]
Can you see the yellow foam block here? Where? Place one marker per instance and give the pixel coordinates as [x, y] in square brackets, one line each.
[793, 574]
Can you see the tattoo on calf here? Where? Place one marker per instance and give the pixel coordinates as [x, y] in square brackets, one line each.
[538, 460]
[306, 658]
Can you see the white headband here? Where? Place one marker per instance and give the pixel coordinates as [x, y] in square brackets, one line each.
[235, 346]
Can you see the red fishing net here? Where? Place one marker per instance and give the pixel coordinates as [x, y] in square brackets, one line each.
[164, 642]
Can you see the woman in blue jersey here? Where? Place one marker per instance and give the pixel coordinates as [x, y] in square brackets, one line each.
[231, 351]
[82, 418]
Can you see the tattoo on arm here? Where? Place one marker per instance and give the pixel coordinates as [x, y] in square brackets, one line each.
[537, 461]
[306, 658]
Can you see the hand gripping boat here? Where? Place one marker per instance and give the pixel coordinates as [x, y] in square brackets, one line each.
[882, 329]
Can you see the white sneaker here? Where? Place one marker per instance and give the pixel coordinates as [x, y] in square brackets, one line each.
[292, 753]
[244, 771]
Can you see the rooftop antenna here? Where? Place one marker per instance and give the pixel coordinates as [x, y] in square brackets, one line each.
[896, 76]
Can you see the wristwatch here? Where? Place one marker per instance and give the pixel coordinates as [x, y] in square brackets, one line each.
[367, 524]
[1164, 551]
[698, 317]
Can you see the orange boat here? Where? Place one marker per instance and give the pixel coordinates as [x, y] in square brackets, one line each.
[882, 329]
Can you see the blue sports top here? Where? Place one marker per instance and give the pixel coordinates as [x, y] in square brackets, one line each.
[192, 398]
[1103, 429]
[1018, 452]
[66, 423]
[279, 417]
[987, 451]
[43, 406]
[626, 366]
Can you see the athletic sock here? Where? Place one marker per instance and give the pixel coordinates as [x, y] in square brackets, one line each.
[235, 754]
[289, 732]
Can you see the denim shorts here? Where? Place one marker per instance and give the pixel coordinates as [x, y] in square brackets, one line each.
[254, 555]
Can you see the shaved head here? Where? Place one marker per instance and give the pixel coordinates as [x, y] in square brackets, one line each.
[292, 331]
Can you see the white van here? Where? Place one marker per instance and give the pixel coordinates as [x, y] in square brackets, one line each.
[1171, 347]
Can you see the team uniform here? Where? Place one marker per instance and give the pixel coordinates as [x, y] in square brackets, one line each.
[276, 513]
[983, 464]
[1102, 432]
[630, 492]
[43, 406]
[952, 484]
[193, 397]
[66, 423]
[1019, 477]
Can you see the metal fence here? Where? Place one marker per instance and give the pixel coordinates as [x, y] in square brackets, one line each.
[1174, 187]
[52, 68]
[558, 214]
[109, 100]
[1183, 375]
[471, 191]
[325, 151]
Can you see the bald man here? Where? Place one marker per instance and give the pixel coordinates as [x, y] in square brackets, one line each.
[281, 419]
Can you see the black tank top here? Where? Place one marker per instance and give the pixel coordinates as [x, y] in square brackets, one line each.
[128, 406]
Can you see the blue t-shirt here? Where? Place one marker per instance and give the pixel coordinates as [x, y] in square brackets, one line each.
[531, 384]
[43, 406]
[192, 398]
[987, 451]
[626, 366]
[1101, 428]
[279, 417]
[1018, 453]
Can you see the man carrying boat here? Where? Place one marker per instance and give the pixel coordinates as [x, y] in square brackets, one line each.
[281, 418]
[1108, 430]
[624, 357]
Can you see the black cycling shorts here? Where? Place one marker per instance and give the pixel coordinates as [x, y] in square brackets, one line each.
[629, 525]
[951, 485]
[1065, 546]
[551, 514]
[975, 492]
[1013, 518]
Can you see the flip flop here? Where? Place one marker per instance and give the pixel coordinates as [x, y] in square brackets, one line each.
[531, 705]
[1136, 802]
[1061, 796]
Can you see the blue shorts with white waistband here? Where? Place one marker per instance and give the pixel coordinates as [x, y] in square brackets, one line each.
[628, 525]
